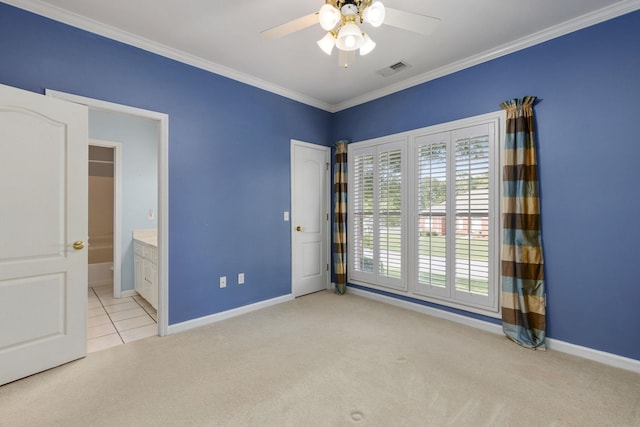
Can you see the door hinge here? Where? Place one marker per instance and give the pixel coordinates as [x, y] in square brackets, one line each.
[327, 267]
[327, 166]
[327, 217]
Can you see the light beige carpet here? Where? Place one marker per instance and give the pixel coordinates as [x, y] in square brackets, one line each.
[326, 360]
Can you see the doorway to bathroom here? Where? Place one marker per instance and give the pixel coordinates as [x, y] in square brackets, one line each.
[142, 202]
[120, 311]
[123, 200]
[116, 316]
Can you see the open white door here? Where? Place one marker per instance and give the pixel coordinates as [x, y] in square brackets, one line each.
[43, 230]
[309, 217]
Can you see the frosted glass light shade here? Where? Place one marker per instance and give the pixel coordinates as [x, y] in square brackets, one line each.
[349, 37]
[367, 45]
[329, 17]
[327, 43]
[374, 14]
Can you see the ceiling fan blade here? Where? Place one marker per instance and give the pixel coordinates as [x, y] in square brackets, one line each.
[290, 27]
[420, 24]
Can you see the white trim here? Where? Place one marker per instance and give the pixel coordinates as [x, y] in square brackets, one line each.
[224, 315]
[450, 303]
[575, 24]
[163, 189]
[594, 355]
[117, 212]
[441, 314]
[609, 359]
[97, 104]
[61, 15]
[113, 33]
[436, 128]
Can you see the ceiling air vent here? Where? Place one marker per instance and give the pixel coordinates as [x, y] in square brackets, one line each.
[393, 69]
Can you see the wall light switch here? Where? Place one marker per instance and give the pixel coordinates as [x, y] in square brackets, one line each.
[151, 214]
[240, 278]
[223, 281]
[286, 216]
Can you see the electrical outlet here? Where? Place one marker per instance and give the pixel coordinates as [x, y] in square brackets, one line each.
[240, 278]
[223, 281]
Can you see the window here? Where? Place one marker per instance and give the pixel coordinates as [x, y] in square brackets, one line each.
[425, 223]
[377, 203]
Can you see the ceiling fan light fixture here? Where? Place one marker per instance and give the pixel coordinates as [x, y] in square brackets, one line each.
[327, 43]
[329, 17]
[374, 14]
[367, 45]
[349, 9]
[349, 37]
[345, 59]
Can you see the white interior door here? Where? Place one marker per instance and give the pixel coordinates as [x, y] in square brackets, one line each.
[309, 217]
[43, 265]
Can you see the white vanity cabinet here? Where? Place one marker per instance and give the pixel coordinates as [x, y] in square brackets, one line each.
[146, 271]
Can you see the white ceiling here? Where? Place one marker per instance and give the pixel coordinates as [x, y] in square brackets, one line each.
[224, 37]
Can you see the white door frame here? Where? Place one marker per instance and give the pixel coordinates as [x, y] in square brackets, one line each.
[327, 202]
[117, 210]
[163, 189]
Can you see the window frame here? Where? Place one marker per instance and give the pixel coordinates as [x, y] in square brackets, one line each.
[409, 286]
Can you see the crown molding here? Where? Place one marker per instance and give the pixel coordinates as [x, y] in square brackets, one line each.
[592, 18]
[93, 26]
[61, 15]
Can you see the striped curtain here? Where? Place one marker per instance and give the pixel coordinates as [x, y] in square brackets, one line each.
[523, 293]
[340, 217]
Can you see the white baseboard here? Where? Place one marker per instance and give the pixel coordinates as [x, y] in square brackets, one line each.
[469, 321]
[594, 355]
[129, 293]
[552, 344]
[217, 317]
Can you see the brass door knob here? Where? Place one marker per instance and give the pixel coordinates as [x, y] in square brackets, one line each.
[78, 244]
[298, 228]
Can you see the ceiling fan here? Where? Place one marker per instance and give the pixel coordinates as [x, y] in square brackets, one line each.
[342, 20]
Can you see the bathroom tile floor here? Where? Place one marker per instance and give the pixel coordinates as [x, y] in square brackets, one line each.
[114, 321]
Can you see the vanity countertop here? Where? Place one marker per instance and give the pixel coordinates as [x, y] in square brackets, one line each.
[149, 236]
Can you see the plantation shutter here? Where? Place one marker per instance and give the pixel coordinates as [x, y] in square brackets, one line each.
[431, 171]
[452, 181]
[361, 196]
[424, 211]
[472, 168]
[377, 201]
[390, 214]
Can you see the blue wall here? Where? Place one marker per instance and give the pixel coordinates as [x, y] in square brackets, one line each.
[229, 148]
[229, 160]
[139, 150]
[588, 83]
